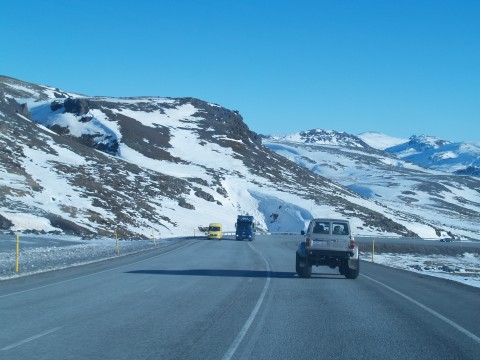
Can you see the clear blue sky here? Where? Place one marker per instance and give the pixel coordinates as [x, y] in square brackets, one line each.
[399, 67]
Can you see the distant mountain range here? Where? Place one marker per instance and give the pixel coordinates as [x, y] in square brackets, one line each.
[149, 166]
[460, 158]
[431, 152]
[373, 166]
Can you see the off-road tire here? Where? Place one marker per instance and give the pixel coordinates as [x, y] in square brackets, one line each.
[303, 272]
[352, 273]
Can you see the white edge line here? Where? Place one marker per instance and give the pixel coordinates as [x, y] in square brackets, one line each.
[35, 337]
[426, 308]
[233, 347]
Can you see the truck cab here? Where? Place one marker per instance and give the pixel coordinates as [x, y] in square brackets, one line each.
[245, 228]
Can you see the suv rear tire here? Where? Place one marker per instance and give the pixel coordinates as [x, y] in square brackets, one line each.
[304, 271]
[352, 273]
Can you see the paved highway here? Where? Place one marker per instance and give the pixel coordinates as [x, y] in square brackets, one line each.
[210, 299]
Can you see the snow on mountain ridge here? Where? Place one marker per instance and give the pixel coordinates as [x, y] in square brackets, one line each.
[434, 153]
[320, 136]
[379, 140]
[424, 150]
[417, 145]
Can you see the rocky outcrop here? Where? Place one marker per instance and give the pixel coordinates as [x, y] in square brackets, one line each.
[5, 224]
[76, 106]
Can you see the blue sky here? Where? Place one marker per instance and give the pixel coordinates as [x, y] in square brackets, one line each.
[399, 67]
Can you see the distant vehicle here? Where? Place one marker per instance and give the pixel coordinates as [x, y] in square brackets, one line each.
[446, 240]
[215, 231]
[245, 228]
[328, 242]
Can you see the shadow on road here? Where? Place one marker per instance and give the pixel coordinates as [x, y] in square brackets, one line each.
[328, 276]
[225, 238]
[226, 273]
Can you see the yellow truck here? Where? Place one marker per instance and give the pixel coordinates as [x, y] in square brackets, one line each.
[215, 231]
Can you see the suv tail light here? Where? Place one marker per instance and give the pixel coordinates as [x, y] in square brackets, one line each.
[352, 243]
[308, 242]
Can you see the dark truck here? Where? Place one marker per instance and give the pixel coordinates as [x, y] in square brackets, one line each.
[328, 242]
[245, 228]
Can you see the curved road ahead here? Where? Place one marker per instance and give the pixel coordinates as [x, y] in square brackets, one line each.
[210, 299]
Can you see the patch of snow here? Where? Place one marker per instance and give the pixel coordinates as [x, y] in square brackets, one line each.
[463, 268]
[380, 141]
[181, 116]
[21, 88]
[24, 221]
[279, 214]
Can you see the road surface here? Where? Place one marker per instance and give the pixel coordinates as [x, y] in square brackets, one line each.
[210, 299]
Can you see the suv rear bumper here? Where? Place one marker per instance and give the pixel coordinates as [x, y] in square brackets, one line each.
[313, 254]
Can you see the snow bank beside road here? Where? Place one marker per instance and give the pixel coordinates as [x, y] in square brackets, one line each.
[463, 268]
[41, 259]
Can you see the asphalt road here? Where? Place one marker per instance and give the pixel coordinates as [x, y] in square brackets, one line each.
[210, 299]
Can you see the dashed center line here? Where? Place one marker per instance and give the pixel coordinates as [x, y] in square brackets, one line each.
[150, 288]
[32, 338]
[233, 347]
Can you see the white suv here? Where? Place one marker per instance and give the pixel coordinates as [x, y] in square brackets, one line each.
[328, 242]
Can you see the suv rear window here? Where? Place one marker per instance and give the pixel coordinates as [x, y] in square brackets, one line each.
[339, 229]
[321, 227]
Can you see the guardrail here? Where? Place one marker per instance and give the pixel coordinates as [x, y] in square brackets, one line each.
[357, 237]
[224, 233]
[374, 237]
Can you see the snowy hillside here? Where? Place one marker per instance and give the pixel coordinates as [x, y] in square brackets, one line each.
[89, 165]
[412, 195]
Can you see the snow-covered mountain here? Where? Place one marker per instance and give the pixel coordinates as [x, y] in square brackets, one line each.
[461, 158]
[75, 164]
[413, 194]
[319, 136]
[431, 152]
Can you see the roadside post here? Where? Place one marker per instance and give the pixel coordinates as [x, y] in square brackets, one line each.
[373, 249]
[117, 250]
[153, 237]
[17, 253]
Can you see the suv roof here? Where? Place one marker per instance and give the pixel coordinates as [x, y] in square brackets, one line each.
[330, 220]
